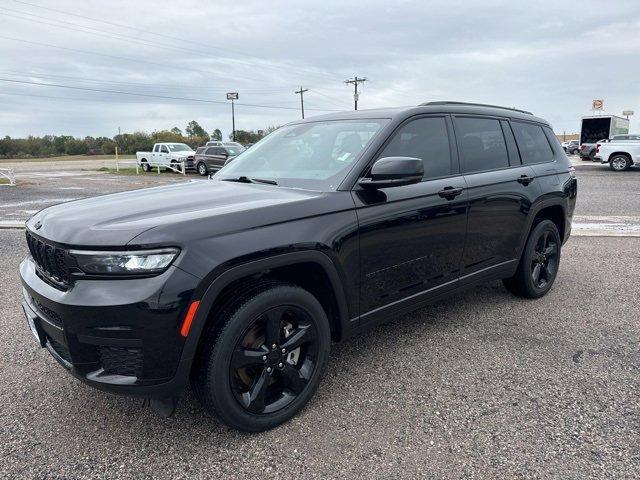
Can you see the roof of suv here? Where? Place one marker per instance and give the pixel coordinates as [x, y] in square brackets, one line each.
[431, 107]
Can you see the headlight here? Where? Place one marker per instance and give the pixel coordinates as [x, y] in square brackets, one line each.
[125, 263]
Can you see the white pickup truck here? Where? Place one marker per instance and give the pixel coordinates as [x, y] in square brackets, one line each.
[168, 155]
[621, 152]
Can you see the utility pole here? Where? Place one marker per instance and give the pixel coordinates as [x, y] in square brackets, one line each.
[233, 96]
[355, 81]
[301, 92]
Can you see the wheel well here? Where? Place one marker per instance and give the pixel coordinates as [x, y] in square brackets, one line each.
[554, 213]
[624, 154]
[143, 160]
[308, 275]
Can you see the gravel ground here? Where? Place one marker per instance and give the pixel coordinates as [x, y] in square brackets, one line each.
[480, 386]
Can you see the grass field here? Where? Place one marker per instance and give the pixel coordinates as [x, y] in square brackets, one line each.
[67, 158]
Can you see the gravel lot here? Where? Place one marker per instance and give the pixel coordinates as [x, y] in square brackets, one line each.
[484, 385]
[481, 386]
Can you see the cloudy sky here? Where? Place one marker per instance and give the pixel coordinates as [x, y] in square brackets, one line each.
[87, 67]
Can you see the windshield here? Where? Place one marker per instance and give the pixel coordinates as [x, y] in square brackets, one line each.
[179, 147]
[314, 155]
[233, 151]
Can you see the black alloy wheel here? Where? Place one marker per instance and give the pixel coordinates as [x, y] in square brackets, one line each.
[544, 262]
[262, 360]
[539, 263]
[274, 360]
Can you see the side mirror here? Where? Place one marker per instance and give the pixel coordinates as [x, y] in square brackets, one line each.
[393, 172]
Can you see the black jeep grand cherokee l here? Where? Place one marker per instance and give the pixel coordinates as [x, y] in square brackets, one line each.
[322, 230]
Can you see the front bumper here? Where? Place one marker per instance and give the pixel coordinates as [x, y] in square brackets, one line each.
[121, 336]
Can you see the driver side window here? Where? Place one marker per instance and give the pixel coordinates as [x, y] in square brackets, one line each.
[164, 149]
[424, 138]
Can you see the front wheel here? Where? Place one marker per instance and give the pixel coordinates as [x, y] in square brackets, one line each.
[539, 263]
[265, 362]
[620, 163]
[202, 169]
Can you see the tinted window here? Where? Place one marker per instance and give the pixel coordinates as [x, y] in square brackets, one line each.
[482, 145]
[200, 150]
[164, 149]
[532, 142]
[156, 148]
[426, 139]
[210, 151]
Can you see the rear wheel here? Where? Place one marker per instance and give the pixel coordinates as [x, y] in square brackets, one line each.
[539, 263]
[202, 169]
[265, 362]
[619, 163]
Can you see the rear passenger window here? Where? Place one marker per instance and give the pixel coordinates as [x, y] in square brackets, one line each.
[482, 145]
[426, 139]
[210, 151]
[532, 142]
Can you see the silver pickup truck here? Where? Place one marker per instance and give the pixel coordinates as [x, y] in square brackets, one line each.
[621, 152]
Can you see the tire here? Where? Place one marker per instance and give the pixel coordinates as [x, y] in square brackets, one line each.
[202, 169]
[539, 263]
[240, 378]
[174, 165]
[619, 163]
[145, 166]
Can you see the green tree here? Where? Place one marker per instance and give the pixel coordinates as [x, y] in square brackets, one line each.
[246, 136]
[195, 130]
[216, 135]
[176, 131]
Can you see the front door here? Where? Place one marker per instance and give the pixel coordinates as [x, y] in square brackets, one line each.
[412, 236]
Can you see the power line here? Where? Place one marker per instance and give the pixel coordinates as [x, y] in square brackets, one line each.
[136, 60]
[134, 84]
[355, 81]
[73, 87]
[282, 66]
[301, 92]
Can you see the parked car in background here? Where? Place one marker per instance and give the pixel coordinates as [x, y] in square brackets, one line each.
[167, 154]
[571, 147]
[621, 152]
[210, 159]
[329, 227]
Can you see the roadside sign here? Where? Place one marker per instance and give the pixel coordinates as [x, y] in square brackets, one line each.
[598, 104]
[232, 96]
[627, 113]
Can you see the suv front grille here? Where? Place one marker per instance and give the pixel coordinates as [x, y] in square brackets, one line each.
[121, 361]
[51, 262]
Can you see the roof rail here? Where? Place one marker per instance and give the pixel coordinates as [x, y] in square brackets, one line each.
[474, 105]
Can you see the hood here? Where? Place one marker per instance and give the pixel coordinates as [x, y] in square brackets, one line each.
[211, 207]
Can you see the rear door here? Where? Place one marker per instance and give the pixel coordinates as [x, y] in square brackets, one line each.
[412, 236]
[501, 191]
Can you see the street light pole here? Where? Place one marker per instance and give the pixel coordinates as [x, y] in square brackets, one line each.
[233, 96]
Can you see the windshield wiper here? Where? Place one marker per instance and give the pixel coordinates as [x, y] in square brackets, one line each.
[244, 179]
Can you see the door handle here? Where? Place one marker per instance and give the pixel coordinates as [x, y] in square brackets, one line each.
[525, 180]
[450, 192]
